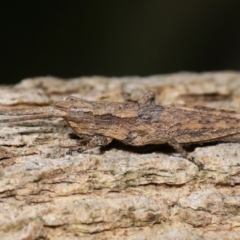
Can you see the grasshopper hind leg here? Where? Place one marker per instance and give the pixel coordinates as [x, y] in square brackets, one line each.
[184, 154]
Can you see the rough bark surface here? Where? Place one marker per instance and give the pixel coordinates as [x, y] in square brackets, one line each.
[118, 192]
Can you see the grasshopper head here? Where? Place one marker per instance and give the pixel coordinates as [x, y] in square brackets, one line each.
[75, 108]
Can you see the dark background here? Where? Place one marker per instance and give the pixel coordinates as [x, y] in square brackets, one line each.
[117, 38]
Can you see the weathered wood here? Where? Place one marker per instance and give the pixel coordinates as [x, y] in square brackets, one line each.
[119, 192]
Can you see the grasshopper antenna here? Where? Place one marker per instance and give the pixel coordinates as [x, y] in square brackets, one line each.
[30, 114]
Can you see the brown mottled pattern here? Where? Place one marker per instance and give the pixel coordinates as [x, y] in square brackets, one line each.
[139, 123]
[200, 124]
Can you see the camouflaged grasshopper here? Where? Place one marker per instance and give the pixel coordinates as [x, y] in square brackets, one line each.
[136, 124]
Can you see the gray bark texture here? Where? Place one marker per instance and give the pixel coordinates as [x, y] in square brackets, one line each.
[118, 192]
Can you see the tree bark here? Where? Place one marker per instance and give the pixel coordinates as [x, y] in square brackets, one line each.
[117, 192]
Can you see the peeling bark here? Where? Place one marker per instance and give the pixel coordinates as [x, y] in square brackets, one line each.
[117, 192]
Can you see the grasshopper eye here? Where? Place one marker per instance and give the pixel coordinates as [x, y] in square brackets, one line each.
[71, 98]
[75, 114]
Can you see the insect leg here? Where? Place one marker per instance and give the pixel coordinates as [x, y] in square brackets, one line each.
[94, 142]
[148, 98]
[183, 153]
